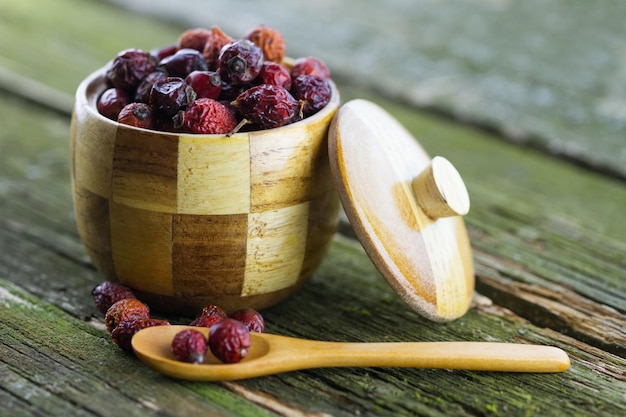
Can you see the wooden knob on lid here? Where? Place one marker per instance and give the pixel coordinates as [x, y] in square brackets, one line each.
[440, 190]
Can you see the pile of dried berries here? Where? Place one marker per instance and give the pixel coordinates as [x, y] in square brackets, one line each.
[229, 336]
[210, 83]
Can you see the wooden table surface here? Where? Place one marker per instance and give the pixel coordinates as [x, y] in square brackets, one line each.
[538, 136]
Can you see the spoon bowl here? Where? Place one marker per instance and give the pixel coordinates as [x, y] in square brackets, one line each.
[271, 354]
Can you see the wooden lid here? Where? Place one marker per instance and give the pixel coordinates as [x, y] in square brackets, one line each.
[405, 208]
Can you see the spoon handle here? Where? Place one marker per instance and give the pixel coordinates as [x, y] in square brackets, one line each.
[480, 356]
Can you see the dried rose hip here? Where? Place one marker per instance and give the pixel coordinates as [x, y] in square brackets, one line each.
[189, 345]
[129, 67]
[183, 62]
[138, 115]
[240, 62]
[206, 84]
[194, 39]
[142, 93]
[275, 74]
[169, 95]
[270, 41]
[111, 102]
[124, 331]
[210, 315]
[312, 92]
[165, 51]
[214, 45]
[309, 66]
[250, 318]
[229, 340]
[128, 309]
[108, 293]
[207, 116]
[267, 106]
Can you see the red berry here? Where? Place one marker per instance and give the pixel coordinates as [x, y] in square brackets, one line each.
[194, 39]
[270, 41]
[267, 106]
[183, 62]
[210, 315]
[111, 102]
[124, 331]
[240, 62]
[275, 74]
[309, 66]
[169, 95]
[108, 293]
[189, 345]
[160, 53]
[206, 84]
[207, 116]
[229, 340]
[129, 67]
[128, 309]
[138, 115]
[142, 93]
[312, 92]
[250, 318]
[214, 45]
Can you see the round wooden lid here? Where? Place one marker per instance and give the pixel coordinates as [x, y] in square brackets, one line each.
[405, 208]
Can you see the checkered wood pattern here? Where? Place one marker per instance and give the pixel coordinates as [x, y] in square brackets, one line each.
[188, 219]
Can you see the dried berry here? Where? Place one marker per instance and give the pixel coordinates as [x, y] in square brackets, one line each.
[128, 309]
[129, 67]
[270, 41]
[250, 318]
[312, 92]
[214, 45]
[169, 95]
[207, 116]
[189, 345]
[124, 331]
[229, 340]
[206, 84]
[194, 39]
[142, 93]
[165, 51]
[108, 293]
[138, 115]
[183, 62]
[267, 106]
[275, 74]
[111, 102]
[309, 66]
[240, 62]
[210, 315]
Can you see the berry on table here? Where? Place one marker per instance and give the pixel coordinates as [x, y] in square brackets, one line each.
[240, 61]
[207, 116]
[206, 84]
[129, 67]
[128, 309]
[309, 66]
[229, 340]
[111, 102]
[189, 345]
[267, 106]
[108, 293]
[275, 74]
[270, 41]
[250, 318]
[169, 95]
[183, 62]
[124, 331]
[209, 315]
[312, 92]
[137, 115]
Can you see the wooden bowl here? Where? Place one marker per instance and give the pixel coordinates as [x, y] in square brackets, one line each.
[187, 220]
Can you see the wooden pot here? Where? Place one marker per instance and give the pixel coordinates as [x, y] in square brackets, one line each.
[187, 220]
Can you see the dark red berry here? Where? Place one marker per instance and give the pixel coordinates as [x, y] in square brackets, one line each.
[267, 106]
[312, 92]
[124, 331]
[142, 93]
[194, 39]
[129, 67]
[275, 74]
[240, 62]
[169, 95]
[250, 318]
[214, 45]
[208, 116]
[111, 102]
[138, 115]
[189, 345]
[229, 340]
[270, 41]
[128, 309]
[183, 62]
[160, 53]
[309, 66]
[210, 315]
[108, 293]
[206, 84]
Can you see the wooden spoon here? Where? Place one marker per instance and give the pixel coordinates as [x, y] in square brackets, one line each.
[271, 354]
